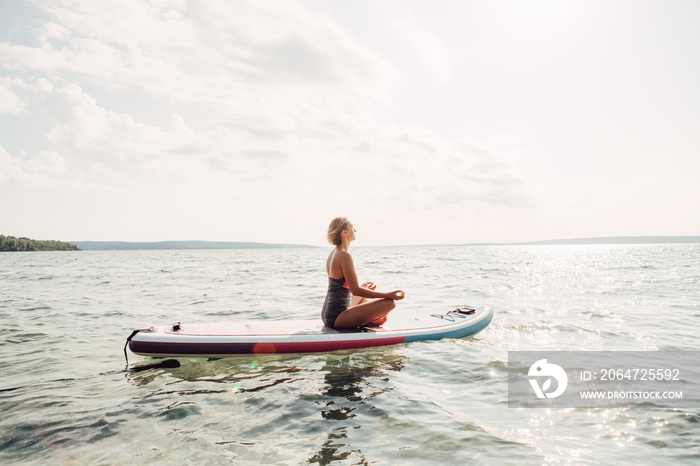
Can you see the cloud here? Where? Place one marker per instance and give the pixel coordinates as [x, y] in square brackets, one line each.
[10, 102]
[81, 127]
[119, 150]
[193, 51]
[262, 73]
[450, 176]
[45, 166]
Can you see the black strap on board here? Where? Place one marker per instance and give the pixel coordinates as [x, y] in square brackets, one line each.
[127, 344]
[461, 312]
[168, 363]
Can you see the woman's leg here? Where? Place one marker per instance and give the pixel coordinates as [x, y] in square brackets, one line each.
[368, 312]
[359, 299]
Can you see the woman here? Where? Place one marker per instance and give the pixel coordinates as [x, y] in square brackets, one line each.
[349, 305]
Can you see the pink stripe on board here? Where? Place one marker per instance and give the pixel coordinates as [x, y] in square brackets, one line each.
[322, 346]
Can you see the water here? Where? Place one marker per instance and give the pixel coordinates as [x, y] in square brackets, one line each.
[66, 316]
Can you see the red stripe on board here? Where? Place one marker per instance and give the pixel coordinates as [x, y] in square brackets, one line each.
[322, 346]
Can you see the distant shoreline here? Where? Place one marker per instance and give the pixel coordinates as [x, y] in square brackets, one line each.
[171, 245]
[617, 240]
[611, 240]
[175, 245]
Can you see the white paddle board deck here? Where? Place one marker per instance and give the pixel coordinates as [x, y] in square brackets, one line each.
[219, 340]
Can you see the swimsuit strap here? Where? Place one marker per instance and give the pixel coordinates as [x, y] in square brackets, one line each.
[330, 266]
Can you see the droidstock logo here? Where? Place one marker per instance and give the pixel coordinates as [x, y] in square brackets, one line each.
[545, 371]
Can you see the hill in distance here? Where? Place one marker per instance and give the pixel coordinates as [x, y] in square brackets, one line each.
[167, 245]
[617, 240]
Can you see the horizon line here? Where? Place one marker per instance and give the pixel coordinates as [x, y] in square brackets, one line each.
[207, 244]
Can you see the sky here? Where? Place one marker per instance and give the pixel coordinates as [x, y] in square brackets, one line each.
[444, 122]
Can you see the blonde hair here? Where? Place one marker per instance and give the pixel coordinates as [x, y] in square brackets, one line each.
[335, 229]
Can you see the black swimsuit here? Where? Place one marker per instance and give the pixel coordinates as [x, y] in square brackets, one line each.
[337, 300]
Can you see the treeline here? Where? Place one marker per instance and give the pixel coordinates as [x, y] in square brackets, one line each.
[10, 243]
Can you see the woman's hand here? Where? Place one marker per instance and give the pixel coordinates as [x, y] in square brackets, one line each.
[395, 295]
[369, 286]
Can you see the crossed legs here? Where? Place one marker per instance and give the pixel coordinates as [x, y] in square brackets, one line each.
[364, 312]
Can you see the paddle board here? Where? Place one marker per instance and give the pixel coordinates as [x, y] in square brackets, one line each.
[225, 339]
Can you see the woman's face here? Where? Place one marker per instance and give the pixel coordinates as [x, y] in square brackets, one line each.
[352, 233]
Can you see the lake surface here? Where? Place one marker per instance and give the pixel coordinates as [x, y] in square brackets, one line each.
[65, 398]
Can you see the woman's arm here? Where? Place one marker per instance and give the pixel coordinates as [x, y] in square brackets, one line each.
[348, 267]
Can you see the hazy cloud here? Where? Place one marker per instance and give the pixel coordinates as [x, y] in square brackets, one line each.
[249, 107]
[45, 166]
[10, 102]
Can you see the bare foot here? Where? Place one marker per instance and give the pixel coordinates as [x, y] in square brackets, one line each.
[378, 322]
